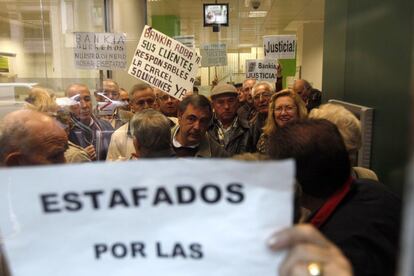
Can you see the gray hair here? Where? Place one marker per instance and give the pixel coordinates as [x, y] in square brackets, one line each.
[152, 130]
[348, 125]
[267, 84]
[139, 87]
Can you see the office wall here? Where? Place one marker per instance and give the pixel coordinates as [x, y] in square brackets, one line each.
[367, 60]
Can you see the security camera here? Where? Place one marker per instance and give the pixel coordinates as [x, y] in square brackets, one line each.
[255, 4]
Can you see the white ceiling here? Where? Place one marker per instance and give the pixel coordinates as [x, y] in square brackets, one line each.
[283, 17]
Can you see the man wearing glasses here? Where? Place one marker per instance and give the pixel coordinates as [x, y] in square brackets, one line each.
[141, 96]
[228, 129]
[167, 104]
[261, 93]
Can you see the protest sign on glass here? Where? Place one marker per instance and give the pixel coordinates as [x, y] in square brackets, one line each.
[104, 51]
[187, 217]
[164, 63]
[279, 46]
[214, 54]
[261, 70]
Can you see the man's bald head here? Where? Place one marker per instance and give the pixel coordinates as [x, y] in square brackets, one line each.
[29, 137]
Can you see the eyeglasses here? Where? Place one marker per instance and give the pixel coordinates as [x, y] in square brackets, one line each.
[262, 96]
[286, 108]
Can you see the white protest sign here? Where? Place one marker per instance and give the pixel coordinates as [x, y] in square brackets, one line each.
[162, 217]
[261, 69]
[214, 54]
[104, 51]
[279, 46]
[164, 63]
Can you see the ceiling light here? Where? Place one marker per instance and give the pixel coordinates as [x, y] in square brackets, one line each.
[257, 13]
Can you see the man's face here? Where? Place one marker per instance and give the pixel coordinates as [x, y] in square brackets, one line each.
[193, 123]
[124, 97]
[111, 90]
[225, 107]
[245, 94]
[49, 143]
[142, 99]
[168, 104]
[83, 110]
[300, 89]
[261, 99]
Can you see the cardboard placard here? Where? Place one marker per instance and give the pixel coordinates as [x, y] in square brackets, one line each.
[164, 63]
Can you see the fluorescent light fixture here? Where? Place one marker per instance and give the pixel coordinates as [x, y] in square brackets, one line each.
[253, 14]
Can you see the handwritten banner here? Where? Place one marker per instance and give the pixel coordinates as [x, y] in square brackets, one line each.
[165, 63]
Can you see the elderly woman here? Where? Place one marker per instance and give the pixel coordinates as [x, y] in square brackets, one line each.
[350, 128]
[285, 106]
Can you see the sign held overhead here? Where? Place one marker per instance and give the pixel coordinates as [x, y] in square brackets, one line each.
[261, 70]
[164, 63]
[279, 46]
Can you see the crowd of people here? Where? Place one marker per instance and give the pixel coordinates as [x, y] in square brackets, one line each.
[347, 222]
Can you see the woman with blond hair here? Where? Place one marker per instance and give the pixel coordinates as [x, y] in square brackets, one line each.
[285, 106]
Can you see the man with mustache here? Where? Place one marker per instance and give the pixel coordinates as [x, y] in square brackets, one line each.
[189, 136]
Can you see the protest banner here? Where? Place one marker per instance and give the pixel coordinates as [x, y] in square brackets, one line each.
[158, 217]
[214, 54]
[164, 63]
[279, 46]
[261, 70]
[103, 51]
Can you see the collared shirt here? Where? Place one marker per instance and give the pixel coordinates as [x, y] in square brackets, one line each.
[177, 144]
[223, 133]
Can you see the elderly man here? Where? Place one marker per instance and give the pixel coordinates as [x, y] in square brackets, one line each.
[152, 134]
[29, 137]
[120, 115]
[89, 132]
[141, 97]
[261, 93]
[246, 110]
[168, 105]
[227, 129]
[311, 96]
[189, 136]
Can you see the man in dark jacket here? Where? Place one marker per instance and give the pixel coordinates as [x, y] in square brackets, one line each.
[227, 128]
[189, 137]
[361, 217]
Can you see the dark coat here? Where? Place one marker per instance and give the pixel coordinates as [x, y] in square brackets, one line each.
[99, 135]
[366, 227]
[240, 140]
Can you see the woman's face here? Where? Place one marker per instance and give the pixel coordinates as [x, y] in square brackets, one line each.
[285, 110]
